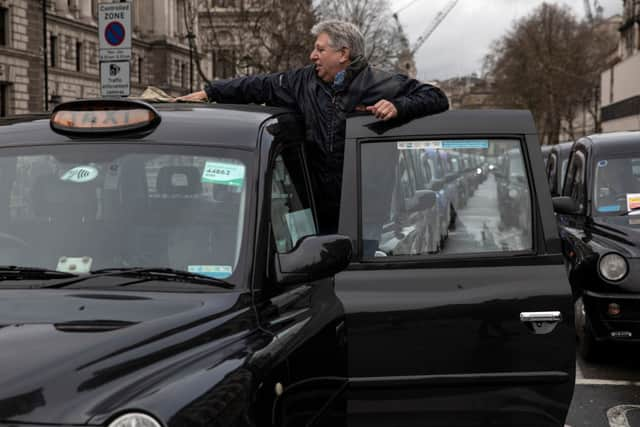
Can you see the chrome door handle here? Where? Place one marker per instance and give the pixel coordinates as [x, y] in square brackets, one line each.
[541, 322]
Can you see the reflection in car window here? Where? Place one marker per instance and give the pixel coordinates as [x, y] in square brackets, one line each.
[471, 211]
[614, 180]
[291, 214]
[119, 206]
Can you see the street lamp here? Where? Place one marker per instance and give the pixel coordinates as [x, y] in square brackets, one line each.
[190, 37]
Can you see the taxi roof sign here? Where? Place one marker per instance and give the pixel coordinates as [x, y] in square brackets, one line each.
[102, 118]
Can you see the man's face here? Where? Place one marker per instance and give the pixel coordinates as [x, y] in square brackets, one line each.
[328, 61]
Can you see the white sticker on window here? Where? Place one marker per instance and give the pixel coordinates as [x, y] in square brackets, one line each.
[633, 201]
[300, 223]
[80, 174]
[418, 145]
[112, 177]
[216, 271]
[223, 173]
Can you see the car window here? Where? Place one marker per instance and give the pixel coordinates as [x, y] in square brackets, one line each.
[124, 205]
[476, 212]
[551, 171]
[615, 181]
[574, 185]
[291, 214]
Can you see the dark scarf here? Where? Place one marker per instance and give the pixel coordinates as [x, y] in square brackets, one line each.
[344, 78]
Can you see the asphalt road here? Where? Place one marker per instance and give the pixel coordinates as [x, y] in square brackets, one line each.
[607, 393]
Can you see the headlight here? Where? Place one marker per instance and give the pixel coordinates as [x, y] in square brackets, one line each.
[513, 193]
[134, 419]
[613, 267]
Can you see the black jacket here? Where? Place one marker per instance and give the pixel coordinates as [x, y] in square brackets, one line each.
[325, 108]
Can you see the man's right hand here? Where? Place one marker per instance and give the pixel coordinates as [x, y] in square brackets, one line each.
[200, 95]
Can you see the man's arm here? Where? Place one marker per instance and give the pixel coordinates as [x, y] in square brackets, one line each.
[417, 99]
[277, 89]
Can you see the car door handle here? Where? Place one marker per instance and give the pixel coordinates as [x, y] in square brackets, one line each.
[541, 322]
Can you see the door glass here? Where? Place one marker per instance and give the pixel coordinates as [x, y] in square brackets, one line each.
[291, 214]
[477, 209]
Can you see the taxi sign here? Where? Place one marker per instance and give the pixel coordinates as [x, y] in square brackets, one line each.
[104, 118]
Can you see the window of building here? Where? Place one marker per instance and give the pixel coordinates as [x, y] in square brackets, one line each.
[4, 99]
[79, 56]
[407, 211]
[223, 3]
[140, 64]
[224, 63]
[53, 51]
[4, 26]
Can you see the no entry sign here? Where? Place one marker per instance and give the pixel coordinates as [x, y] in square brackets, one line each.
[114, 30]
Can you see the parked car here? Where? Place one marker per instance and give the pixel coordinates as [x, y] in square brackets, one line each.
[161, 267]
[545, 150]
[557, 166]
[513, 191]
[600, 236]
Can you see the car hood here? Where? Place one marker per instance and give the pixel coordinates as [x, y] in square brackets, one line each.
[65, 354]
[617, 233]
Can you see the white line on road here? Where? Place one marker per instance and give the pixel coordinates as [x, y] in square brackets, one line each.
[589, 381]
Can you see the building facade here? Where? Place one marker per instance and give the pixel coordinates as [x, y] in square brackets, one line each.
[160, 51]
[620, 84]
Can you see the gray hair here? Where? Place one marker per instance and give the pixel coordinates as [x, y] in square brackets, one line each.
[341, 34]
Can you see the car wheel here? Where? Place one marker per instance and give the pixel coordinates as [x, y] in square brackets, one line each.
[588, 348]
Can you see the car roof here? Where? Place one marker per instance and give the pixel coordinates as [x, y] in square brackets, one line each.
[563, 149]
[460, 122]
[235, 126]
[613, 143]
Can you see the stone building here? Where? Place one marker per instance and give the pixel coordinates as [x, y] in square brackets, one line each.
[160, 51]
[620, 84]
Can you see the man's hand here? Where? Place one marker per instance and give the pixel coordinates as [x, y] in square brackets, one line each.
[383, 110]
[195, 96]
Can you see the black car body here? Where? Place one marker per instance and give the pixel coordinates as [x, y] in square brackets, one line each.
[557, 161]
[270, 324]
[600, 233]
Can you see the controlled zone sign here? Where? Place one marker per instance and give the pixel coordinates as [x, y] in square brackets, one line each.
[115, 78]
[114, 31]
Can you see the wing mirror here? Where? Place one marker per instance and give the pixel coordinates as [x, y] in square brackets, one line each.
[313, 258]
[565, 205]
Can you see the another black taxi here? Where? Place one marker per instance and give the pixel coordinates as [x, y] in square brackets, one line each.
[161, 267]
[600, 229]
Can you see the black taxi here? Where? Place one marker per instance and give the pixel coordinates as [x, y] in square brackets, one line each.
[161, 267]
[600, 229]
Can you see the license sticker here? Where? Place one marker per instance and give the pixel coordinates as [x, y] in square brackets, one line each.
[602, 163]
[466, 143]
[231, 174]
[215, 271]
[633, 201]
[80, 174]
[418, 145]
[609, 208]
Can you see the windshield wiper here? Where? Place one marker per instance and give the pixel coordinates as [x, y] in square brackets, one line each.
[163, 273]
[14, 272]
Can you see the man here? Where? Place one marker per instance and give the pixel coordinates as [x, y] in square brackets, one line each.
[338, 83]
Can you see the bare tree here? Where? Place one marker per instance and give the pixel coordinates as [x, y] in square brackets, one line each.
[375, 20]
[249, 36]
[549, 63]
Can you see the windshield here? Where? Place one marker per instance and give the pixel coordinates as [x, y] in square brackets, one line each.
[119, 206]
[617, 185]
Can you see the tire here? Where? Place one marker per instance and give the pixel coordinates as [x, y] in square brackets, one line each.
[588, 348]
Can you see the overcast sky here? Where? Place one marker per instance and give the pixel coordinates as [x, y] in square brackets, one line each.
[458, 45]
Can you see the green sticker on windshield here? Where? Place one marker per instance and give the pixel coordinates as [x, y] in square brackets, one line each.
[223, 173]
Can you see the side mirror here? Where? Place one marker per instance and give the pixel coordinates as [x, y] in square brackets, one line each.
[565, 205]
[313, 258]
[421, 201]
[437, 184]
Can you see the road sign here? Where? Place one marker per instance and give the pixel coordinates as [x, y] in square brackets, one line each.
[114, 31]
[115, 78]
